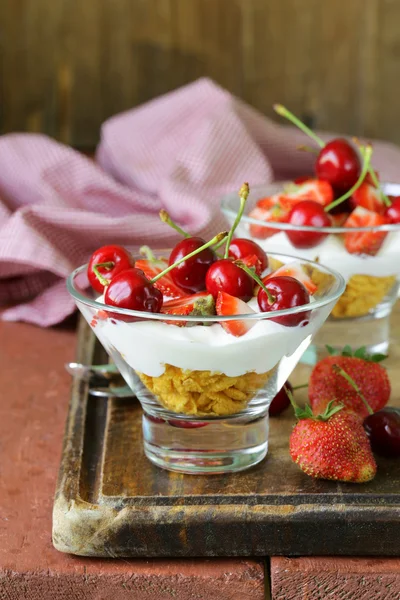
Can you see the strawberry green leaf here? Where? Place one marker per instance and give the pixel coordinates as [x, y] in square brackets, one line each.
[332, 351]
[377, 357]
[361, 353]
[347, 351]
[331, 409]
[303, 413]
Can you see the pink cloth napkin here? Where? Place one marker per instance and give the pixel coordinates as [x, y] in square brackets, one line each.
[181, 151]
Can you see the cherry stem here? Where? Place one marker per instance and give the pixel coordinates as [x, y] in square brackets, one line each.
[246, 269]
[372, 173]
[353, 384]
[366, 154]
[148, 253]
[309, 149]
[300, 387]
[284, 112]
[291, 397]
[243, 195]
[106, 265]
[165, 218]
[215, 240]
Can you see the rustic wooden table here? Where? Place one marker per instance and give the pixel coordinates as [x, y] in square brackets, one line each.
[33, 410]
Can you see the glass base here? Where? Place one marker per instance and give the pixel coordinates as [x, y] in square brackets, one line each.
[373, 332]
[205, 446]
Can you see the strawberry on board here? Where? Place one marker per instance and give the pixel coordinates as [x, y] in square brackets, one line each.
[295, 270]
[368, 196]
[370, 377]
[229, 305]
[332, 445]
[274, 213]
[364, 242]
[151, 268]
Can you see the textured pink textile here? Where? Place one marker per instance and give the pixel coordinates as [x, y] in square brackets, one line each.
[180, 151]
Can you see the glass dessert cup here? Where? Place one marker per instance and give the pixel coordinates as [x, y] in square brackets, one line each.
[205, 393]
[361, 317]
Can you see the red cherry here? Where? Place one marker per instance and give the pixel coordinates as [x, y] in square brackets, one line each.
[311, 214]
[393, 212]
[242, 247]
[287, 293]
[118, 255]
[191, 274]
[338, 163]
[225, 276]
[281, 401]
[383, 430]
[131, 289]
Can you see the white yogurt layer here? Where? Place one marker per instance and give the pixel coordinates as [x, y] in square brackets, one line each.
[332, 254]
[148, 345]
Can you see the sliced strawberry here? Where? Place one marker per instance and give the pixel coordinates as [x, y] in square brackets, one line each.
[314, 189]
[274, 214]
[338, 219]
[189, 305]
[368, 178]
[253, 262]
[229, 305]
[364, 242]
[268, 201]
[368, 197]
[166, 285]
[296, 271]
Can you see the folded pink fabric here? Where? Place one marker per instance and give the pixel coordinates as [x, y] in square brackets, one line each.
[180, 152]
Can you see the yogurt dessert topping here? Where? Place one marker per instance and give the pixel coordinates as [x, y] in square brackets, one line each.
[343, 195]
[193, 354]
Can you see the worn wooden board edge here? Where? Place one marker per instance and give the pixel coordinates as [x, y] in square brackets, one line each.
[88, 529]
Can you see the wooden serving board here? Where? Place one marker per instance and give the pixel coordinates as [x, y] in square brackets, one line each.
[111, 501]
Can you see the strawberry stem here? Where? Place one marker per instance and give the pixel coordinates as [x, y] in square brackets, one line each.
[284, 112]
[367, 159]
[353, 384]
[165, 218]
[215, 240]
[243, 195]
[253, 275]
[106, 265]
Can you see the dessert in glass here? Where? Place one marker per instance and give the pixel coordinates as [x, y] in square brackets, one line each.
[344, 218]
[205, 335]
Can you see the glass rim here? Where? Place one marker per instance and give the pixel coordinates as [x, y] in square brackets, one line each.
[331, 297]
[229, 212]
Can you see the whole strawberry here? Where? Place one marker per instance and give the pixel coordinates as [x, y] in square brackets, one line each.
[332, 445]
[370, 377]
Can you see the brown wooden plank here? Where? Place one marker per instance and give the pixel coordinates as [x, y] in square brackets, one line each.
[67, 66]
[112, 501]
[320, 578]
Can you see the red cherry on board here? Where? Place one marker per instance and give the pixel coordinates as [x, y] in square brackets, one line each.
[383, 430]
[311, 214]
[281, 401]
